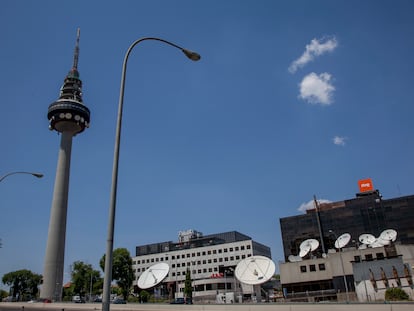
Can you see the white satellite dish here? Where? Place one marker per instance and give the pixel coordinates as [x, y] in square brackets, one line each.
[367, 238]
[293, 258]
[342, 240]
[153, 275]
[377, 243]
[309, 243]
[362, 246]
[389, 235]
[304, 251]
[255, 270]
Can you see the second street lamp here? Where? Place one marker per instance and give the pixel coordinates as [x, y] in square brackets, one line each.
[38, 175]
[112, 205]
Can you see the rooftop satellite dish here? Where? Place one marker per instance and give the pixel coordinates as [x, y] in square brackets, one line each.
[303, 252]
[362, 246]
[389, 235]
[293, 258]
[366, 238]
[255, 270]
[342, 240]
[153, 275]
[377, 243]
[309, 243]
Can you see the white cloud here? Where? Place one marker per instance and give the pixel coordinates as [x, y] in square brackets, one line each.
[339, 141]
[312, 50]
[310, 205]
[317, 89]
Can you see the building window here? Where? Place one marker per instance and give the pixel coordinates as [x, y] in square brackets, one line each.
[248, 247]
[322, 267]
[242, 248]
[188, 255]
[209, 252]
[302, 269]
[214, 251]
[236, 248]
[368, 257]
[220, 251]
[231, 249]
[198, 253]
[225, 250]
[380, 255]
[357, 258]
[312, 268]
[237, 257]
[204, 253]
[172, 257]
[231, 258]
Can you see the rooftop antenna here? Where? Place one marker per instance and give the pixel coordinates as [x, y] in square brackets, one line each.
[76, 54]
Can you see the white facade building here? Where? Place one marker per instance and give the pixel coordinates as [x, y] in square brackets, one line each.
[210, 259]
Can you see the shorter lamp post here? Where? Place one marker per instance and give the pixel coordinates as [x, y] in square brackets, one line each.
[343, 268]
[38, 175]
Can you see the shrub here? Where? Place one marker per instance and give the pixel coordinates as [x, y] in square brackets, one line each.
[395, 294]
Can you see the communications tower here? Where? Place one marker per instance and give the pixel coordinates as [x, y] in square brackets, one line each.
[68, 116]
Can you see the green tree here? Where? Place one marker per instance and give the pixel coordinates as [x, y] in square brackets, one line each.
[188, 288]
[395, 294]
[24, 284]
[84, 277]
[3, 294]
[121, 270]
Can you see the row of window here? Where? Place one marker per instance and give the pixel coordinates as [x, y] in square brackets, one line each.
[312, 268]
[201, 262]
[194, 254]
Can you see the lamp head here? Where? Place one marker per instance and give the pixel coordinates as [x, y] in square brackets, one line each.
[38, 175]
[191, 55]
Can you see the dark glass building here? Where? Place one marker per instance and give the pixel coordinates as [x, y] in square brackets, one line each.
[367, 213]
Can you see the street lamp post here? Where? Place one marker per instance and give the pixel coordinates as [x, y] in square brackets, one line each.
[112, 204]
[38, 175]
[343, 268]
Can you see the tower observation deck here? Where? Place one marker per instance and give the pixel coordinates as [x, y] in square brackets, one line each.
[69, 113]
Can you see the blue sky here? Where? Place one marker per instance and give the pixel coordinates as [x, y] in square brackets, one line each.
[291, 99]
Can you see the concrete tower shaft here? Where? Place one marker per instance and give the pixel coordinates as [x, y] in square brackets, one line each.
[69, 116]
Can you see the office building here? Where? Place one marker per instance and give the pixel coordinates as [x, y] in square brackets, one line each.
[363, 246]
[211, 260]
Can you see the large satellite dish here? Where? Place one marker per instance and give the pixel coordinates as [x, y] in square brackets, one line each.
[153, 275]
[389, 235]
[342, 240]
[303, 252]
[367, 238]
[255, 270]
[309, 243]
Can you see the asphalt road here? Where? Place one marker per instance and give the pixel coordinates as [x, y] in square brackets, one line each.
[15, 306]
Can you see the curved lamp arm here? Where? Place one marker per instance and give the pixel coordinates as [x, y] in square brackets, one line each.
[38, 175]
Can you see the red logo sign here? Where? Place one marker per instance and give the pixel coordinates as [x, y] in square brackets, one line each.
[365, 185]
